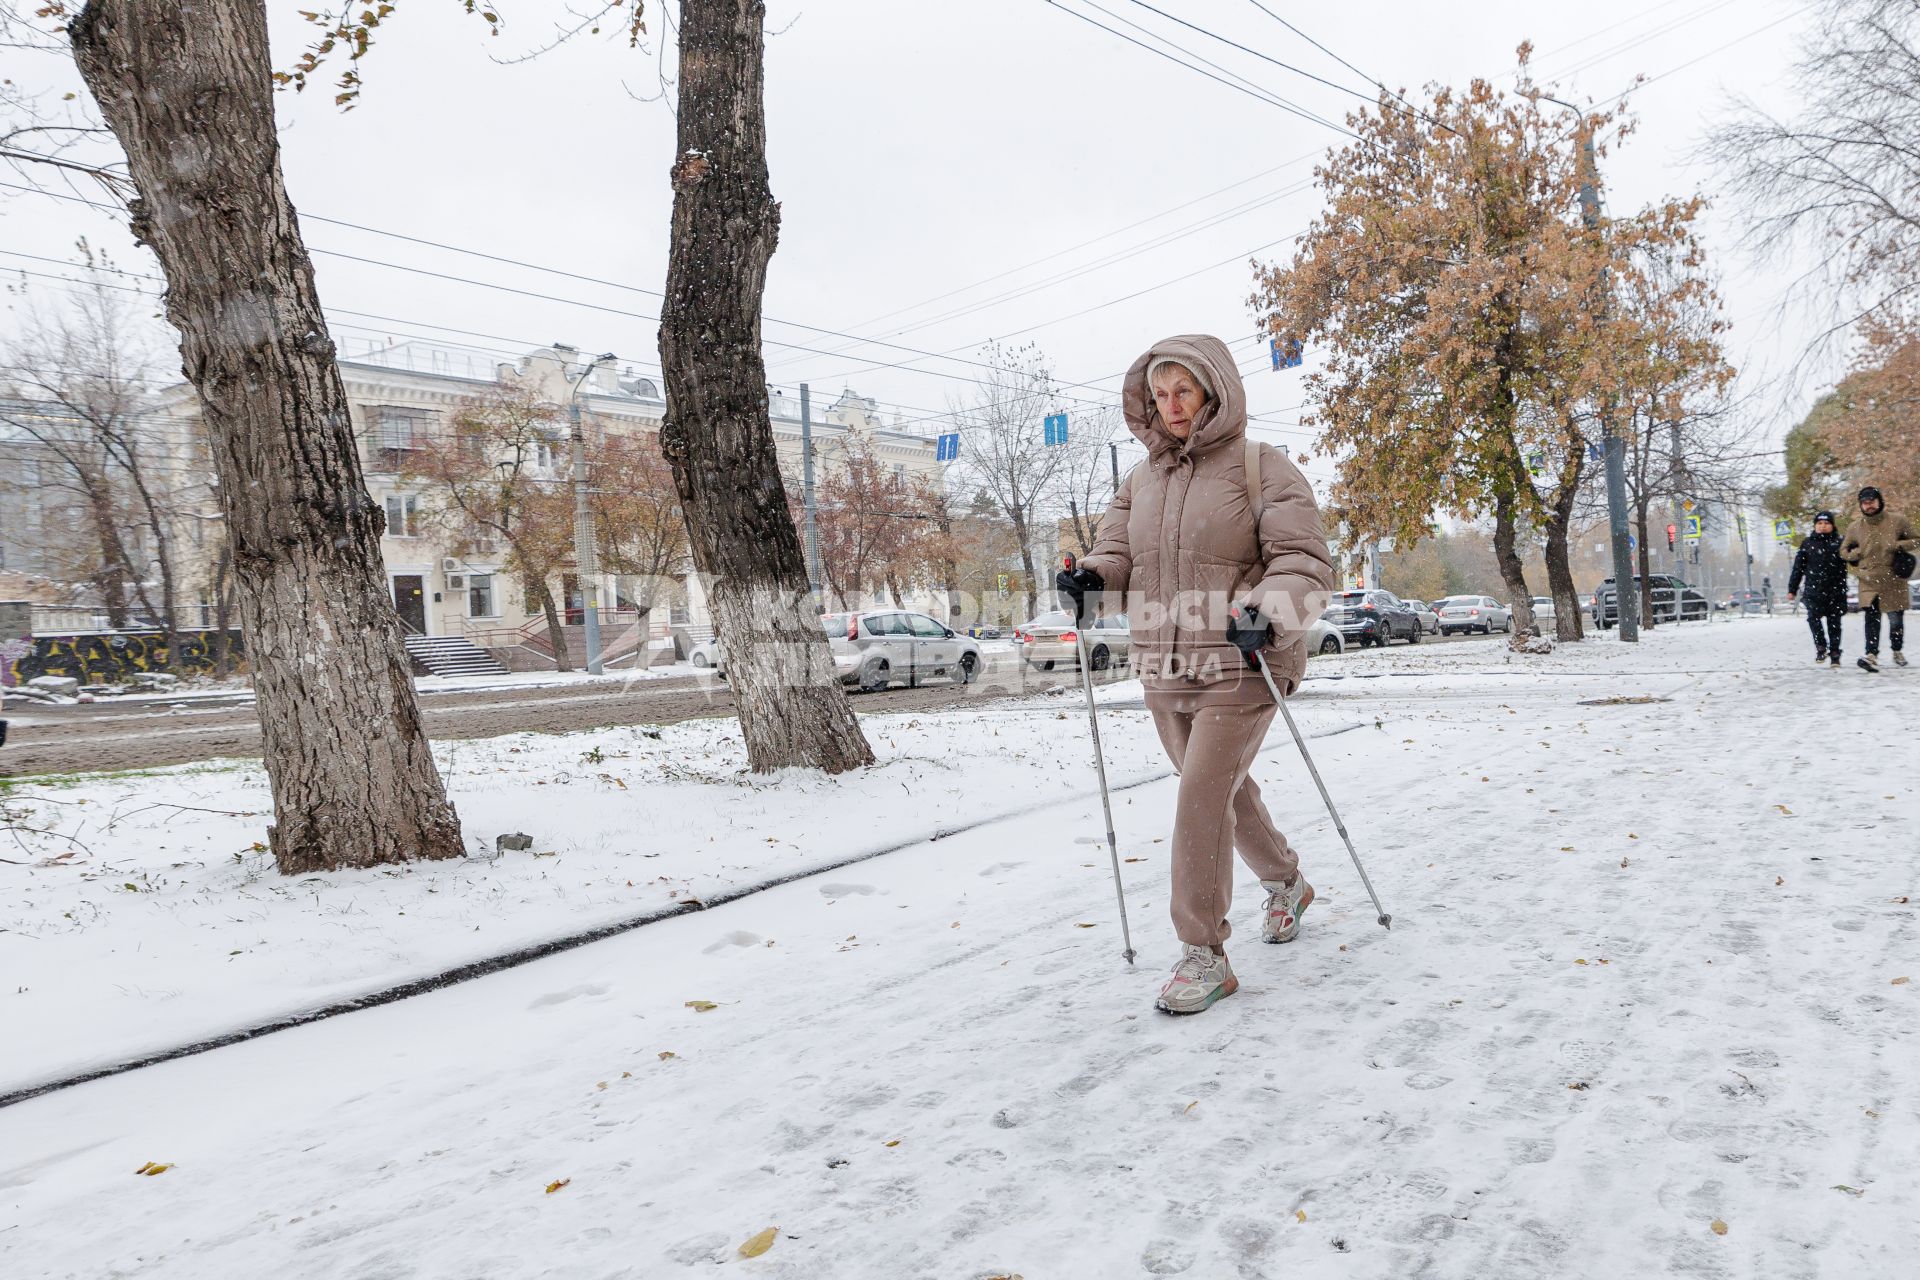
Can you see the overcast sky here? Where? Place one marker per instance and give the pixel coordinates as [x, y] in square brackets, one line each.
[1003, 159]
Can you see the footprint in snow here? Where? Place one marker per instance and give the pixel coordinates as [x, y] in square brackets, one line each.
[846, 890]
[571, 993]
[738, 938]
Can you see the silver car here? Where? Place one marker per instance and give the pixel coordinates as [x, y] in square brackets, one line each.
[1475, 613]
[881, 647]
[1429, 617]
[1324, 638]
[1052, 638]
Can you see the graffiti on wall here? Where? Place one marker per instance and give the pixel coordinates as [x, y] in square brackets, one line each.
[112, 657]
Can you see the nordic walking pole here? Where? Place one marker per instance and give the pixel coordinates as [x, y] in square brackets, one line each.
[1100, 767]
[1385, 920]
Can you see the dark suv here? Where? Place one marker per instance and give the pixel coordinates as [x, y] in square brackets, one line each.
[1662, 587]
[1372, 617]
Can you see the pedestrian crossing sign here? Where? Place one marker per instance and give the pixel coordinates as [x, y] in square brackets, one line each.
[1693, 528]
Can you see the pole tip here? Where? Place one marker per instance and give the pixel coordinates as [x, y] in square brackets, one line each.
[1129, 955]
[1386, 921]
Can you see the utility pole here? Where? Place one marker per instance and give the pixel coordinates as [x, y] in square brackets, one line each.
[1113, 460]
[806, 473]
[1614, 448]
[586, 542]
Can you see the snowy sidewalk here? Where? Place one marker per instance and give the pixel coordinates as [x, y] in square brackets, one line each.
[1638, 1016]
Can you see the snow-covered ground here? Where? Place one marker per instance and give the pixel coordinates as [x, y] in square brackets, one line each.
[1642, 1011]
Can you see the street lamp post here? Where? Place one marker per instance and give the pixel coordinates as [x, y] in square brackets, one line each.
[585, 540]
[1615, 449]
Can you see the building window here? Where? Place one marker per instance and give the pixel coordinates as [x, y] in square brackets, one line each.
[899, 475]
[546, 452]
[403, 515]
[396, 433]
[480, 596]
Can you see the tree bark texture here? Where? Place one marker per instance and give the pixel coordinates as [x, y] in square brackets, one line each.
[717, 436]
[187, 93]
[1559, 530]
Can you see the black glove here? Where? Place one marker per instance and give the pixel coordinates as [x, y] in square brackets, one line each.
[1247, 631]
[1076, 585]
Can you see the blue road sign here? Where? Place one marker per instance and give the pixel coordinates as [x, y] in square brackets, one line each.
[1286, 352]
[1596, 452]
[948, 447]
[1056, 428]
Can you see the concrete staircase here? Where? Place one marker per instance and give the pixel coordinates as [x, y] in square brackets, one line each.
[452, 656]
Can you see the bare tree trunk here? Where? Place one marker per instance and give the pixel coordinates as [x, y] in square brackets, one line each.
[792, 709]
[556, 634]
[1566, 600]
[1507, 557]
[1018, 519]
[112, 577]
[223, 614]
[191, 101]
[1644, 568]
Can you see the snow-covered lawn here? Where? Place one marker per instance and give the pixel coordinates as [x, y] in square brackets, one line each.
[1640, 1014]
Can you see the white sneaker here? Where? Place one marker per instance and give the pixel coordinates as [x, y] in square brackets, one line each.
[1200, 979]
[1286, 903]
[1899, 658]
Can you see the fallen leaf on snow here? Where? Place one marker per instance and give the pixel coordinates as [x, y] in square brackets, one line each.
[1787, 813]
[1901, 981]
[1089, 925]
[702, 1006]
[555, 1186]
[1719, 1227]
[1579, 961]
[1299, 1215]
[1190, 1106]
[1779, 880]
[894, 1143]
[759, 1242]
[667, 1053]
[1579, 1085]
[1852, 1191]
[152, 1169]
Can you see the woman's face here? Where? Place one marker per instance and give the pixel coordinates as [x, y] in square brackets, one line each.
[1823, 526]
[1178, 398]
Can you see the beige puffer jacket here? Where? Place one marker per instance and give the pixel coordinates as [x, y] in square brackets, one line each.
[1177, 547]
[1868, 549]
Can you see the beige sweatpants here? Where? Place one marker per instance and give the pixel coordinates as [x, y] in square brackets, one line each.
[1219, 810]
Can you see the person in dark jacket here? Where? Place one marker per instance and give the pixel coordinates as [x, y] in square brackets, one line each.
[1819, 582]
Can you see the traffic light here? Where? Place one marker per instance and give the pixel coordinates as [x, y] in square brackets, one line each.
[1673, 531]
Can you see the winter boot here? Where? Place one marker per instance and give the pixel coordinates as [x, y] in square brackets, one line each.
[1899, 658]
[1819, 657]
[1869, 664]
[1286, 903]
[1200, 979]
[1834, 661]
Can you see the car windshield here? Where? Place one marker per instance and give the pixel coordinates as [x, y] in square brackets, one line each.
[834, 624]
[1058, 618]
[1540, 600]
[1457, 604]
[1349, 597]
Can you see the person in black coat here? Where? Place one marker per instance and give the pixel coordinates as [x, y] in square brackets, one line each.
[1819, 581]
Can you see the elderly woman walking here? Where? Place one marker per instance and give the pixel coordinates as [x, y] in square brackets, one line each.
[1178, 550]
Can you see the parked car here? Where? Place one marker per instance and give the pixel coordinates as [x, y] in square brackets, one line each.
[1052, 638]
[987, 632]
[881, 647]
[1372, 617]
[1662, 589]
[1745, 600]
[1429, 616]
[1475, 613]
[1542, 609]
[1324, 638]
[706, 653]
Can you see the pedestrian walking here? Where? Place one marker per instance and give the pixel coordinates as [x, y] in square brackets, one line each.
[1880, 547]
[1177, 551]
[1819, 583]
